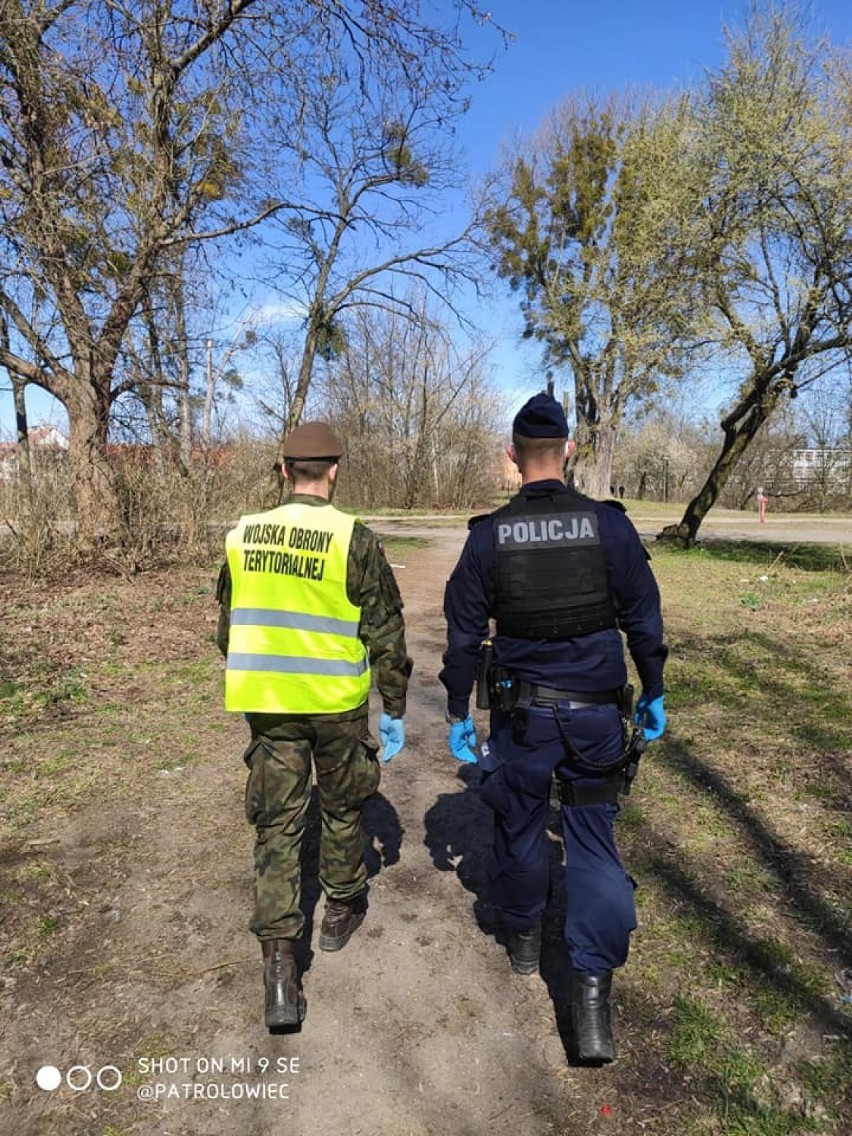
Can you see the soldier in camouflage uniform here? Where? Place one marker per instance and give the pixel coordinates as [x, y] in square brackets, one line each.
[308, 605]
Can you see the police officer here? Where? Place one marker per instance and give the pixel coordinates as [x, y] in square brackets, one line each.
[562, 575]
[309, 605]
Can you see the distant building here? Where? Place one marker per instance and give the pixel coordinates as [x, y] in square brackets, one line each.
[832, 468]
[510, 475]
[48, 448]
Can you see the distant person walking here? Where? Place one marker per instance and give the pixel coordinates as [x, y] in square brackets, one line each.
[762, 501]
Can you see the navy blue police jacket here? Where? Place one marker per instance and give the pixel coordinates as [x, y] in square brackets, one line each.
[592, 662]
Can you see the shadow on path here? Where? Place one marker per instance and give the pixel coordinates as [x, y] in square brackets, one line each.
[459, 829]
[383, 841]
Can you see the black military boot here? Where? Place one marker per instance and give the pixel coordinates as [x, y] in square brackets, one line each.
[341, 920]
[591, 1018]
[525, 950]
[285, 1002]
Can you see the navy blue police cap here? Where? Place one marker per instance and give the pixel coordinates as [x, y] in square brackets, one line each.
[541, 417]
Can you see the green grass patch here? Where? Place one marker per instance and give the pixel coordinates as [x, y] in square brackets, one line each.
[47, 926]
[770, 554]
[397, 546]
[738, 834]
[16, 958]
[155, 1045]
[829, 1077]
[747, 877]
[48, 767]
[44, 685]
[838, 831]
[38, 873]
[729, 1074]
[170, 764]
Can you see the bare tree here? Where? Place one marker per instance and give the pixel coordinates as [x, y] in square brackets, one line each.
[131, 129]
[768, 464]
[115, 140]
[371, 162]
[421, 425]
[824, 415]
[22, 431]
[663, 457]
[158, 356]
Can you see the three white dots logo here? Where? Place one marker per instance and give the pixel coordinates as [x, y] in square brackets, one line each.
[79, 1078]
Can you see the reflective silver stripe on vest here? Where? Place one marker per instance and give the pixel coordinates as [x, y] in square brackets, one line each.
[293, 664]
[294, 620]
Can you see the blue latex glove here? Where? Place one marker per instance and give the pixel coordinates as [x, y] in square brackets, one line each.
[392, 733]
[651, 716]
[462, 740]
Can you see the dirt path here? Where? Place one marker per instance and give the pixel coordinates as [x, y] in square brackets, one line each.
[418, 1027]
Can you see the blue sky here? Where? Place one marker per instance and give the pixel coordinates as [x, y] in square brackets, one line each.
[596, 46]
[561, 46]
[603, 45]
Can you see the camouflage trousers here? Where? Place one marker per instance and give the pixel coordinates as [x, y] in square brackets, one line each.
[278, 792]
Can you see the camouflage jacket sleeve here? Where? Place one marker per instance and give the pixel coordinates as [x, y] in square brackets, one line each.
[223, 598]
[371, 585]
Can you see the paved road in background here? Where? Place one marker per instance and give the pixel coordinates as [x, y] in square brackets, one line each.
[725, 524]
[729, 525]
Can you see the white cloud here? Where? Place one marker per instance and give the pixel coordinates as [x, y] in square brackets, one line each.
[279, 311]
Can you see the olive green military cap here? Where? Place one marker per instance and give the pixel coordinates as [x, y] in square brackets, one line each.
[312, 441]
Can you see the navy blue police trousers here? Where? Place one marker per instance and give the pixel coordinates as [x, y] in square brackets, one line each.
[600, 906]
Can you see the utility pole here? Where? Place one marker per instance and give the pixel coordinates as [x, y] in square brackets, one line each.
[208, 399]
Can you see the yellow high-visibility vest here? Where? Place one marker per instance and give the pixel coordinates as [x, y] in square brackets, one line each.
[293, 646]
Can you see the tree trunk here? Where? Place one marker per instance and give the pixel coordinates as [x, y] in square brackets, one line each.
[601, 476]
[25, 472]
[417, 473]
[209, 391]
[436, 482]
[96, 503]
[594, 466]
[165, 446]
[303, 383]
[739, 427]
[184, 409]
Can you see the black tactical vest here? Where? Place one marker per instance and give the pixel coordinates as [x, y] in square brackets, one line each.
[551, 568]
